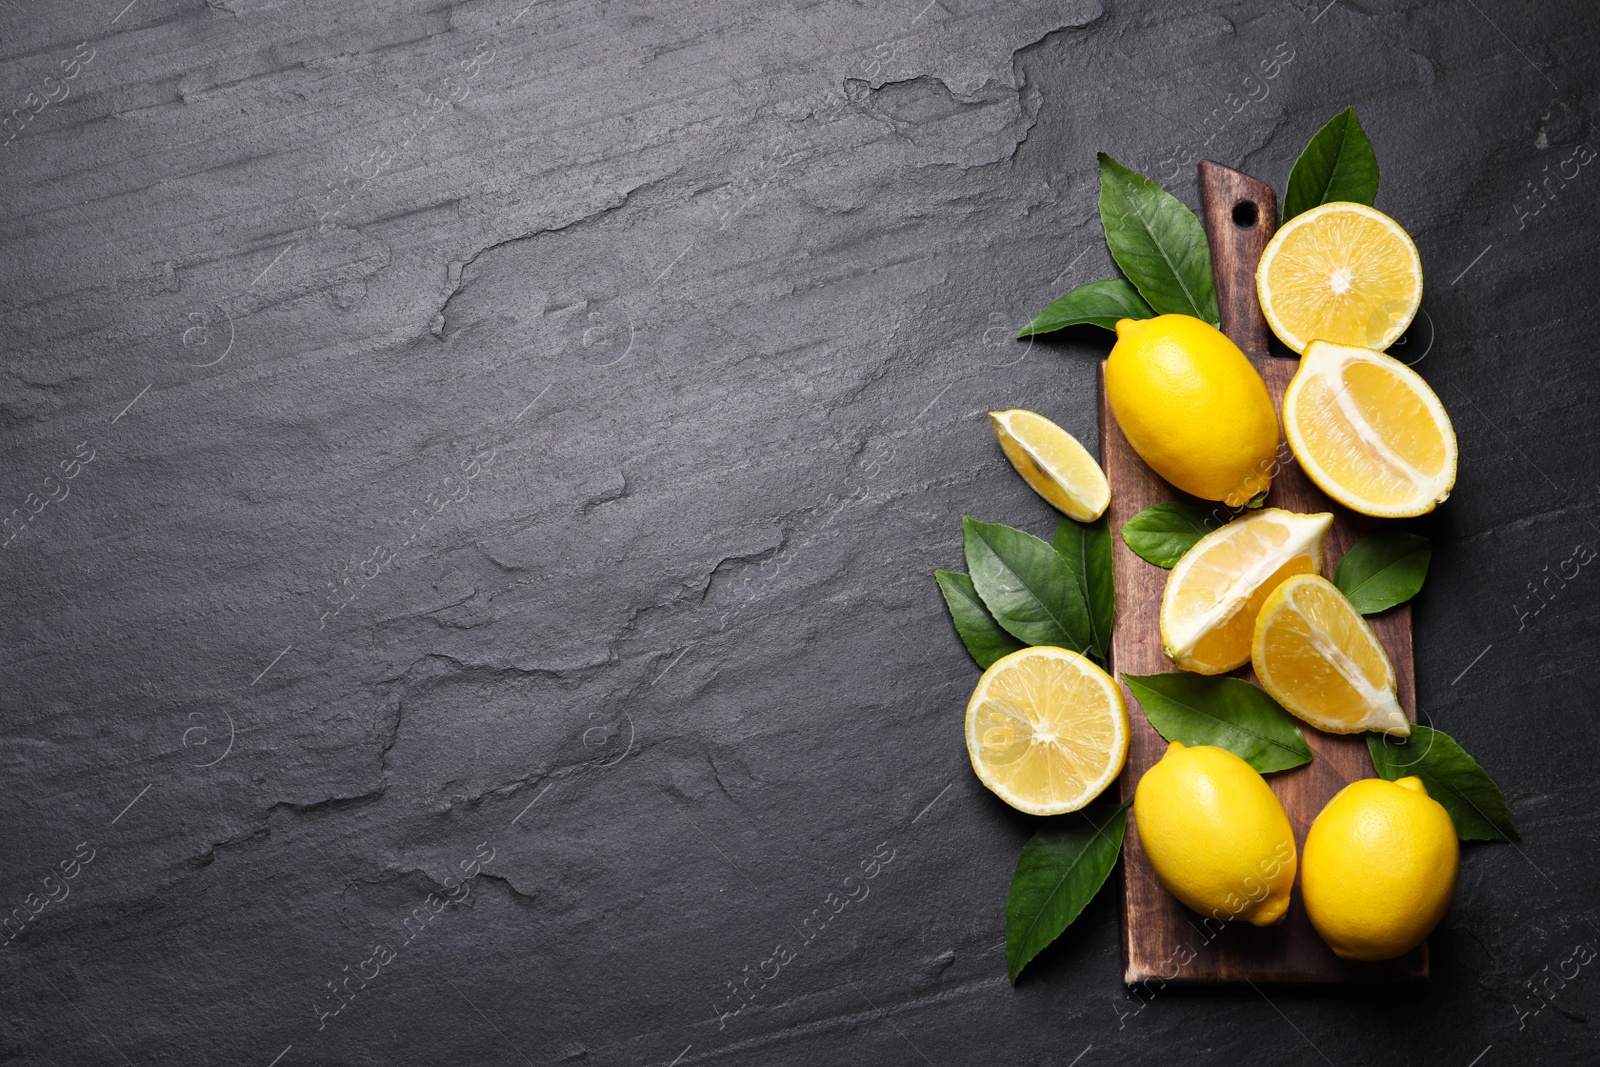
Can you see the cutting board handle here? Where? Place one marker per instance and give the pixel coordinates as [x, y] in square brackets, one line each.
[1241, 214]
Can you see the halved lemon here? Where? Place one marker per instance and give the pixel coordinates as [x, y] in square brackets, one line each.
[1340, 272]
[1208, 610]
[1047, 730]
[1368, 430]
[1318, 658]
[1052, 461]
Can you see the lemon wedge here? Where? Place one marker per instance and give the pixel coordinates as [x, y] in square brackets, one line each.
[1053, 462]
[1368, 430]
[1340, 272]
[1047, 730]
[1316, 655]
[1209, 607]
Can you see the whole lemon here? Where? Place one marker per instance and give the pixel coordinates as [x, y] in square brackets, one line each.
[1216, 834]
[1380, 868]
[1193, 406]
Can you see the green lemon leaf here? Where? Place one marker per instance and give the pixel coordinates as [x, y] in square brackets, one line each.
[979, 632]
[1086, 546]
[1452, 777]
[1161, 534]
[1230, 713]
[1060, 870]
[1026, 585]
[1096, 303]
[1158, 243]
[1338, 164]
[1383, 570]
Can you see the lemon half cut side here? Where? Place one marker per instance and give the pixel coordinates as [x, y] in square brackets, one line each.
[1047, 730]
[1340, 272]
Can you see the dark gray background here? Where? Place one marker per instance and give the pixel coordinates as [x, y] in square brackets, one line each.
[727, 289]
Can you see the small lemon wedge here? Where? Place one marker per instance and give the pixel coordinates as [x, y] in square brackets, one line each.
[1318, 657]
[1053, 462]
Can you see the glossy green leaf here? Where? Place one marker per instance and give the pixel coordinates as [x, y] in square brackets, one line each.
[1383, 570]
[1229, 713]
[1338, 164]
[1158, 242]
[1086, 546]
[1060, 870]
[1162, 533]
[1095, 303]
[979, 632]
[1452, 777]
[1026, 585]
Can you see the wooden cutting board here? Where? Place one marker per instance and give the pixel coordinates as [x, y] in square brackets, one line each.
[1163, 941]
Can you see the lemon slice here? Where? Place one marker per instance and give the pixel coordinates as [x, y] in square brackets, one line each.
[1047, 730]
[1368, 430]
[1208, 610]
[1052, 461]
[1318, 658]
[1340, 272]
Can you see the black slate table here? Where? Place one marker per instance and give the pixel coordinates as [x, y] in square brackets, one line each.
[474, 472]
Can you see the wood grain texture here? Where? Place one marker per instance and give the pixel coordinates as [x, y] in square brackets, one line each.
[1163, 941]
[1241, 214]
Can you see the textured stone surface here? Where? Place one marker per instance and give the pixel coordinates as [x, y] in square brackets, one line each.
[625, 391]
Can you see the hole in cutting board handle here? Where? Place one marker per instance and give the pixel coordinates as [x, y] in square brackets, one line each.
[1245, 214]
